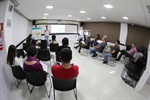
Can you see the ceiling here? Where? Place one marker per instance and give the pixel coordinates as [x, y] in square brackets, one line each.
[135, 10]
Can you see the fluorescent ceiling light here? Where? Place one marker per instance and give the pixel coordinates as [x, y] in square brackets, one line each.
[46, 14]
[78, 19]
[82, 11]
[108, 6]
[69, 15]
[103, 17]
[125, 18]
[49, 7]
[88, 18]
[44, 17]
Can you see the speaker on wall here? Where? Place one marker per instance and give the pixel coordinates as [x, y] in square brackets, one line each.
[33, 22]
[81, 24]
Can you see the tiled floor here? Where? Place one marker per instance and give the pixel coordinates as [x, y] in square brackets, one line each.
[96, 81]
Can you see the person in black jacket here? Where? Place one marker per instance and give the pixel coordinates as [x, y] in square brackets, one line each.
[65, 43]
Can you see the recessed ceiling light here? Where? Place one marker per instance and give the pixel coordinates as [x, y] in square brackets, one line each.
[108, 6]
[125, 18]
[103, 17]
[44, 17]
[88, 18]
[46, 14]
[69, 15]
[49, 7]
[82, 11]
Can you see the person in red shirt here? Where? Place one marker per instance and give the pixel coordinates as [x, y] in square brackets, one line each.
[65, 70]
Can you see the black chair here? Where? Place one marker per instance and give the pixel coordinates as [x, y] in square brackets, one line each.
[18, 74]
[36, 79]
[53, 47]
[135, 69]
[26, 46]
[64, 85]
[20, 52]
[132, 71]
[44, 55]
[86, 51]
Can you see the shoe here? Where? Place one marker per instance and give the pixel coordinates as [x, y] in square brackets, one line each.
[117, 59]
[94, 55]
[105, 62]
[79, 51]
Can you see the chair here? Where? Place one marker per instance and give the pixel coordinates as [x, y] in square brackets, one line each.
[53, 47]
[100, 52]
[64, 85]
[133, 71]
[85, 50]
[26, 46]
[112, 61]
[20, 52]
[44, 55]
[36, 79]
[18, 74]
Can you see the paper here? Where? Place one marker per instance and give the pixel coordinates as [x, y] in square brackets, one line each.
[44, 66]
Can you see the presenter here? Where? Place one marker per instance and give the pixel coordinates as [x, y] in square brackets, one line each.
[47, 32]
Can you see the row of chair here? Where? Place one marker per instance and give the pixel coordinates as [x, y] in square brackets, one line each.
[37, 79]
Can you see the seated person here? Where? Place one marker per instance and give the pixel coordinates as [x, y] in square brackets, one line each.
[98, 48]
[12, 58]
[86, 44]
[65, 43]
[79, 38]
[32, 64]
[113, 52]
[94, 43]
[28, 44]
[65, 70]
[53, 40]
[129, 53]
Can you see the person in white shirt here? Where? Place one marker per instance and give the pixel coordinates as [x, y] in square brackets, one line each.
[12, 59]
[47, 32]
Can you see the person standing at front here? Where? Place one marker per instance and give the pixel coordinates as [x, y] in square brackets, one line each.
[47, 32]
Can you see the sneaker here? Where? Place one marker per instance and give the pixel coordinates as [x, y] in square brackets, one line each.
[117, 59]
[105, 62]
[94, 55]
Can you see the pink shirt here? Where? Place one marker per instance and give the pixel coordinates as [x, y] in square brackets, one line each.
[47, 32]
[132, 51]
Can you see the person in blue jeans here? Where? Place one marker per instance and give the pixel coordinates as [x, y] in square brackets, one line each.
[47, 32]
[113, 52]
[98, 48]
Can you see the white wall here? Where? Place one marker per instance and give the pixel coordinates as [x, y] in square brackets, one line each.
[21, 28]
[123, 33]
[5, 71]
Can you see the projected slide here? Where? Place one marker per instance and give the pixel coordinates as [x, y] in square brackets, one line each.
[59, 28]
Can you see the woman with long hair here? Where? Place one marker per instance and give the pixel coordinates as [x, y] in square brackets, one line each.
[12, 58]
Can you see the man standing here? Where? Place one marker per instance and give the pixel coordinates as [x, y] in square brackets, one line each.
[47, 32]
